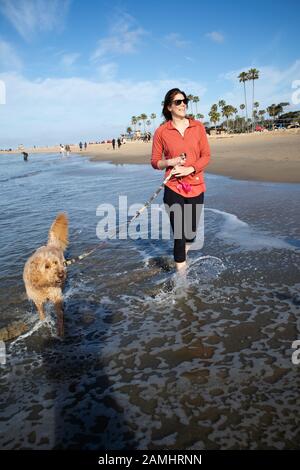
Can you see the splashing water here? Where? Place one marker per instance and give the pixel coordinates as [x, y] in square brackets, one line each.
[176, 285]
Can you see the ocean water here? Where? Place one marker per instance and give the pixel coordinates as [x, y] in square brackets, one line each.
[151, 360]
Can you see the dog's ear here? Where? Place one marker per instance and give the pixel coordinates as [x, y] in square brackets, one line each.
[36, 275]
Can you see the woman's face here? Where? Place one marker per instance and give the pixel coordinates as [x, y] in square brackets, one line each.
[178, 110]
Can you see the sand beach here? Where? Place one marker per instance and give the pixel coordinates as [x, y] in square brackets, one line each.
[269, 156]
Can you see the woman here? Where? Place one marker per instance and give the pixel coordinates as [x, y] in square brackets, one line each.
[177, 136]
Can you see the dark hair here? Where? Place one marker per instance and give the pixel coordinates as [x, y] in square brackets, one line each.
[168, 101]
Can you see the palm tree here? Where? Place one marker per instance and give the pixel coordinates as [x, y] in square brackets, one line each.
[239, 123]
[221, 104]
[134, 122]
[129, 130]
[199, 116]
[243, 77]
[153, 117]
[273, 111]
[196, 100]
[148, 122]
[139, 121]
[253, 74]
[276, 109]
[143, 117]
[284, 104]
[242, 107]
[256, 106]
[227, 111]
[235, 111]
[214, 115]
[261, 113]
[190, 98]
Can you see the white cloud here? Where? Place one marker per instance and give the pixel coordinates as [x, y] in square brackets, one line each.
[107, 71]
[175, 39]
[215, 36]
[67, 60]
[124, 38]
[31, 16]
[9, 59]
[190, 59]
[53, 110]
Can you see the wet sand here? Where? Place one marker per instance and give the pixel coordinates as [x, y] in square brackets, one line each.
[272, 156]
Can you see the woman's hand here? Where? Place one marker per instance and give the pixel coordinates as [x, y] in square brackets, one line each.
[163, 164]
[179, 171]
[175, 161]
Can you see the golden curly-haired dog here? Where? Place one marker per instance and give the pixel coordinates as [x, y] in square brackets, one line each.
[45, 272]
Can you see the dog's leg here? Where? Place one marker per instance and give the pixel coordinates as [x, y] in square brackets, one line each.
[40, 309]
[59, 308]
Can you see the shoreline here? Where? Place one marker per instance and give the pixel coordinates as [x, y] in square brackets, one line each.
[270, 157]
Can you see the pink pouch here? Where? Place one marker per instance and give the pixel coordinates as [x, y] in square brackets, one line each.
[185, 186]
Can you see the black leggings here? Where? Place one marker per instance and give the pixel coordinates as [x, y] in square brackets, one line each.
[184, 218]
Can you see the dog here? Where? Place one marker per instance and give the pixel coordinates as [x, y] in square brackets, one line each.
[45, 271]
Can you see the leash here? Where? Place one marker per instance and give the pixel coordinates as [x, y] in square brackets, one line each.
[136, 215]
[68, 262]
[154, 195]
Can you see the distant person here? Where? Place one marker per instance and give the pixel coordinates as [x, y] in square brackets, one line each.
[80, 145]
[85, 145]
[25, 156]
[113, 143]
[62, 150]
[119, 143]
[68, 150]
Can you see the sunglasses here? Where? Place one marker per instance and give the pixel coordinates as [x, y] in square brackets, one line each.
[178, 102]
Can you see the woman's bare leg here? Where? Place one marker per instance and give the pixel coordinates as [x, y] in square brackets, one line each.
[187, 247]
[181, 267]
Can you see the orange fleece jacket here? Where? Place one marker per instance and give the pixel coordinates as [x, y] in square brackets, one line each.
[169, 143]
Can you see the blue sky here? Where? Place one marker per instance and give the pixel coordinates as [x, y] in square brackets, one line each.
[76, 69]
